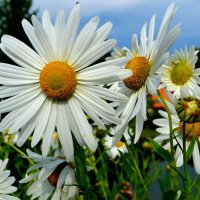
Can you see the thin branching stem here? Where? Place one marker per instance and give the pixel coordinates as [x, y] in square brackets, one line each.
[185, 183]
[171, 138]
[137, 170]
[19, 151]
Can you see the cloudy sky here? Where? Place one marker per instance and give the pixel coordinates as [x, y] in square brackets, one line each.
[128, 16]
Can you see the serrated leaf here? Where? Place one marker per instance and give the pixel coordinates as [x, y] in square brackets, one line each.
[190, 149]
[160, 150]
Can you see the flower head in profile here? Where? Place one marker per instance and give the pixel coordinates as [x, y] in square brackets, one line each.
[192, 131]
[6, 182]
[53, 87]
[117, 53]
[144, 60]
[56, 178]
[114, 151]
[179, 75]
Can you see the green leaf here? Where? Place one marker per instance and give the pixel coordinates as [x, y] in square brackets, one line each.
[115, 190]
[127, 166]
[81, 171]
[160, 150]
[190, 149]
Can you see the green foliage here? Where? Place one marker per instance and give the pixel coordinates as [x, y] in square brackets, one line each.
[82, 175]
[128, 167]
[190, 149]
[171, 194]
[160, 150]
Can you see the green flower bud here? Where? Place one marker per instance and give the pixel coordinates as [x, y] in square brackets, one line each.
[188, 109]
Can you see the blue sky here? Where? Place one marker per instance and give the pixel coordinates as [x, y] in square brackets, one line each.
[128, 16]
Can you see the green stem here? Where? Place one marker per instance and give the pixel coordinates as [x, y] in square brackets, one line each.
[135, 193]
[185, 162]
[137, 170]
[171, 138]
[19, 151]
[96, 172]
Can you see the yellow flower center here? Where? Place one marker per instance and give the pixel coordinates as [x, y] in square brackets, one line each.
[191, 130]
[55, 136]
[140, 67]
[180, 73]
[119, 144]
[58, 80]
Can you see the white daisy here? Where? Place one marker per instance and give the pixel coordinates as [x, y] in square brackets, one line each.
[192, 129]
[6, 182]
[55, 180]
[55, 85]
[114, 151]
[144, 64]
[179, 75]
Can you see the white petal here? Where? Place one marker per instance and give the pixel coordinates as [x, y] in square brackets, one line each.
[74, 126]
[94, 54]
[49, 132]
[22, 53]
[28, 114]
[84, 127]
[139, 126]
[196, 158]
[64, 131]
[43, 118]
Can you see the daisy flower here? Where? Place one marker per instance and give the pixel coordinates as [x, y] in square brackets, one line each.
[113, 151]
[145, 59]
[6, 182]
[192, 129]
[53, 87]
[53, 180]
[179, 75]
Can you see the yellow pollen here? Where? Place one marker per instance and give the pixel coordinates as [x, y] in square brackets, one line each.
[55, 136]
[180, 73]
[140, 67]
[192, 130]
[119, 144]
[58, 80]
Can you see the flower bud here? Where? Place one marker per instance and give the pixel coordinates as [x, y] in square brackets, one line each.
[188, 109]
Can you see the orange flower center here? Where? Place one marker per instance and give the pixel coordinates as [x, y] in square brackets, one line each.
[191, 130]
[58, 80]
[119, 144]
[53, 178]
[140, 67]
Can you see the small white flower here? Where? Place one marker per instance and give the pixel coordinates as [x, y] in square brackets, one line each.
[6, 182]
[192, 129]
[56, 178]
[113, 151]
[144, 60]
[179, 75]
